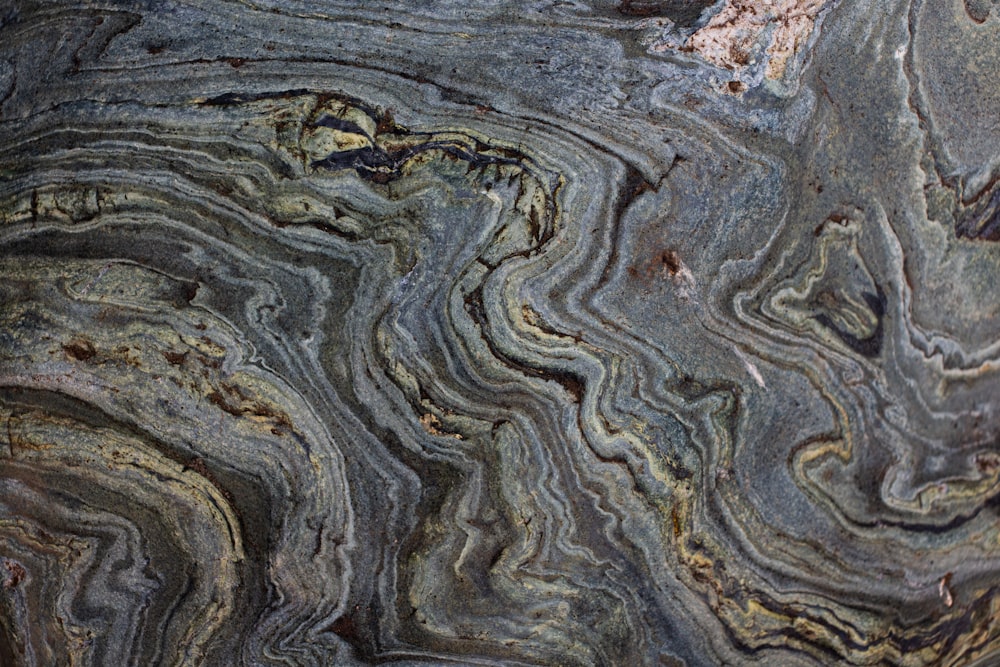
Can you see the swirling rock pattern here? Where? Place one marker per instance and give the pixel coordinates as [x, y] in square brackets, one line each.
[546, 333]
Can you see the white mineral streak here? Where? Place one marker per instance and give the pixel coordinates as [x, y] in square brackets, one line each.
[746, 30]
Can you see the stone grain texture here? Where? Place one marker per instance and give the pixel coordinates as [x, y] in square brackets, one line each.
[499, 333]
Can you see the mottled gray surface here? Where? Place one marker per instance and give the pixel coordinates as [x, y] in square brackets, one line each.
[545, 333]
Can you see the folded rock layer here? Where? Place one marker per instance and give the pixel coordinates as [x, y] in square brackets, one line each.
[494, 333]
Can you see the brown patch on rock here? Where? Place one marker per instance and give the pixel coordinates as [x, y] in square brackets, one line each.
[80, 349]
[432, 425]
[662, 263]
[174, 358]
[15, 573]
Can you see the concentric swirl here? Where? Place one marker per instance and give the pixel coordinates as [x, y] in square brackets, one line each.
[590, 333]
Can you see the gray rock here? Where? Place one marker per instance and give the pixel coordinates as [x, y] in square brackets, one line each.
[542, 333]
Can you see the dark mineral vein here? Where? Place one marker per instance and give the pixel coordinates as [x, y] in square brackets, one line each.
[492, 333]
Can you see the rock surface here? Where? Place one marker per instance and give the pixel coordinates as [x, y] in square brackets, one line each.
[534, 333]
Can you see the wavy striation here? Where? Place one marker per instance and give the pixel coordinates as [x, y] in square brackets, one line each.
[584, 333]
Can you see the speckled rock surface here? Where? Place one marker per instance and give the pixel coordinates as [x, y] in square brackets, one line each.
[496, 333]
